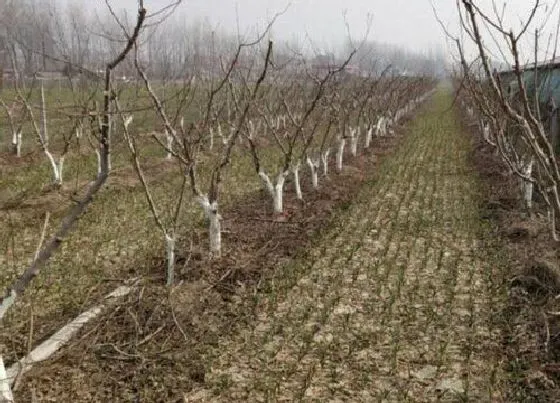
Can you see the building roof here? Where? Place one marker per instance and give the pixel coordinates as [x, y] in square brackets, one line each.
[551, 63]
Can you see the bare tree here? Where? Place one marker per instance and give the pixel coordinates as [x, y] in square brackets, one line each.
[18, 287]
[520, 138]
[189, 138]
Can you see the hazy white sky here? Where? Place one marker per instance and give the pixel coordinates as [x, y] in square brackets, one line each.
[409, 23]
[405, 22]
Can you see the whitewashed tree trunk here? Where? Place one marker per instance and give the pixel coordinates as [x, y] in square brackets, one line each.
[325, 161]
[99, 162]
[486, 132]
[251, 127]
[170, 254]
[279, 194]
[297, 184]
[385, 125]
[60, 166]
[221, 134]
[340, 153]
[109, 141]
[528, 185]
[215, 231]
[354, 137]
[388, 124]
[56, 168]
[380, 127]
[5, 389]
[369, 135]
[16, 143]
[276, 191]
[214, 225]
[44, 132]
[486, 135]
[314, 168]
[44, 139]
[169, 139]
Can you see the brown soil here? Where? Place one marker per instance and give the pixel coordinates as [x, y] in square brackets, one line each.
[531, 258]
[9, 161]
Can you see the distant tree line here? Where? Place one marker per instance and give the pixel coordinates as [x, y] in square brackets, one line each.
[44, 36]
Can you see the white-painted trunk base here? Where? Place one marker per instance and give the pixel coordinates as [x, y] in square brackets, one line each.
[325, 162]
[528, 186]
[276, 191]
[340, 154]
[528, 194]
[486, 133]
[214, 225]
[278, 196]
[169, 140]
[170, 254]
[354, 137]
[314, 168]
[297, 184]
[215, 233]
[98, 155]
[315, 179]
[60, 166]
[7, 303]
[5, 388]
[16, 143]
[56, 168]
[381, 127]
[555, 230]
[369, 136]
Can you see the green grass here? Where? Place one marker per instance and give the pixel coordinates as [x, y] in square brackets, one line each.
[114, 240]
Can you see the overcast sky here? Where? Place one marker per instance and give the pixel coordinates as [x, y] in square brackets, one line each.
[409, 23]
[404, 22]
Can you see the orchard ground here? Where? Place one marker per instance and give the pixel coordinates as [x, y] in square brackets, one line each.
[384, 285]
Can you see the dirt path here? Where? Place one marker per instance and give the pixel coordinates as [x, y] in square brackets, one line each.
[395, 304]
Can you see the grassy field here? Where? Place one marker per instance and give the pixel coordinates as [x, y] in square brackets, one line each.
[397, 299]
[115, 240]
